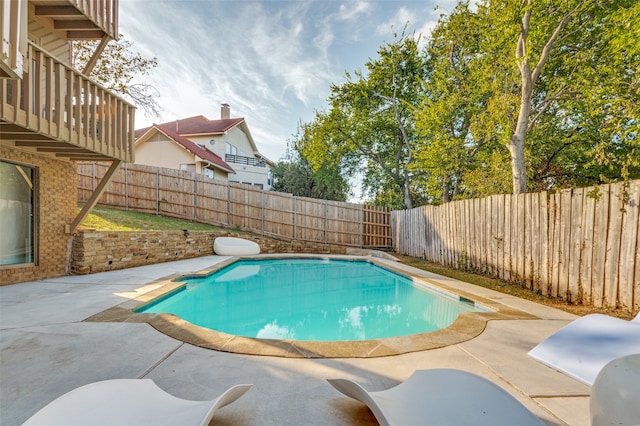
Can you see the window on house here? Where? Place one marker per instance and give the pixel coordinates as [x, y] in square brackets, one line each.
[188, 167]
[17, 214]
[231, 150]
[259, 185]
[208, 173]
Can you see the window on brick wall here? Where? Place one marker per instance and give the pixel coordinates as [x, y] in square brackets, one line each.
[17, 218]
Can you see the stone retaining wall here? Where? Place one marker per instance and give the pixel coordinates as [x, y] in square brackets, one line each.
[98, 251]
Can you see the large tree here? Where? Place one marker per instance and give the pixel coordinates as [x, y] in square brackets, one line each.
[119, 69]
[515, 95]
[555, 47]
[369, 127]
[451, 144]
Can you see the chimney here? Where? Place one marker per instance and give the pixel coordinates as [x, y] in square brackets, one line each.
[225, 112]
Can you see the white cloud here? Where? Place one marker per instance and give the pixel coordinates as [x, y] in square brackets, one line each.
[397, 22]
[272, 61]
[353, 10]
[424, 32]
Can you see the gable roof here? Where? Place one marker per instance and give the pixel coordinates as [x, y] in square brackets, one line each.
[200, 125]
[195, 149]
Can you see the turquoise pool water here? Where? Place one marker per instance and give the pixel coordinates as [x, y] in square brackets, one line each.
[311, 299]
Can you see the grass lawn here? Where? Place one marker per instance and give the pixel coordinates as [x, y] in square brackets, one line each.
[510, 288]
[105, 219]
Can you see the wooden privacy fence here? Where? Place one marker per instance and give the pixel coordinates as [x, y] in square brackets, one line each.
[194, 197]
[580, 244]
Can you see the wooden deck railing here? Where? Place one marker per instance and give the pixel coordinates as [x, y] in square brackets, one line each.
[103, 13]
[61, 104]
[78, 19]
[13, 21]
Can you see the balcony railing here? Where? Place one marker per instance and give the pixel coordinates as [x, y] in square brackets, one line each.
[56, 109]
[81, 19]
[102, 12]
[247, 161]
[13, 30]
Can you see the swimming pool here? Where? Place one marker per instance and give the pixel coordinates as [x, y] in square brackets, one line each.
[311, 300]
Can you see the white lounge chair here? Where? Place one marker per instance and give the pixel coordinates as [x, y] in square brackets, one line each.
[615, 395]
[232, 246]
[441, 397]
[129, 402]
[581, 348]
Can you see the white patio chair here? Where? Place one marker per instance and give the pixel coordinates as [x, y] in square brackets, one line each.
[584, 346]
[441, 397]
[615, 395]
[232, 246]
[129, 402]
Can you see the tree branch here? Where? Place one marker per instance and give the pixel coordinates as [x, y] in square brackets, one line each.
[544, 55]
[546, 104]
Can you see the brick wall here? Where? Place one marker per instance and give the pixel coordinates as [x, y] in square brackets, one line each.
[56, 196]
[95, 251]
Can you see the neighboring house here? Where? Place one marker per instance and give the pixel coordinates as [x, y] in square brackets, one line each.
[160, 147]
[50, 117]
[220, 149]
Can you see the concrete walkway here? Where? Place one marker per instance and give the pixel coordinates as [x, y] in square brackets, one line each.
[46, 350]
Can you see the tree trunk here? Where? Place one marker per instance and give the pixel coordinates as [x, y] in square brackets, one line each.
[445, 190]
[516, 143]
[518, 167]
[528, 79]
[407, 197]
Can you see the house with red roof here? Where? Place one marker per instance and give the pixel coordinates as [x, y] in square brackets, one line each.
[220, 149]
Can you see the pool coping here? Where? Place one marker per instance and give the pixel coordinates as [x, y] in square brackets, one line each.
[465, 327]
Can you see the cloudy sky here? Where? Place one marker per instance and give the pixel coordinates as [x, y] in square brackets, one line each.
[273, 61]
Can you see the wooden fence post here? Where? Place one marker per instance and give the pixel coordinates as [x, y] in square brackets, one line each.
[326, 222]
[262, 212]
[157, 191]
[94, 177]
[295, 221]
[195, 196]
[228, 203]
[126, 187]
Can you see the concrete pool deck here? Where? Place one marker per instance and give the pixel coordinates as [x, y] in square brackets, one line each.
[47, 348]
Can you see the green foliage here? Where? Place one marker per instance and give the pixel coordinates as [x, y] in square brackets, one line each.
[454, 102]
[369, 127]
[553, 84]
[117, 68]
[582, 124]
[294, 175]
